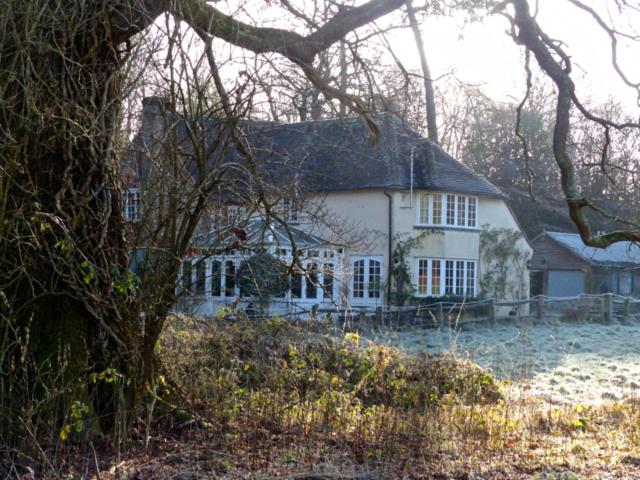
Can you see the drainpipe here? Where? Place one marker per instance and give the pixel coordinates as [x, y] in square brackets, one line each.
[388, 296]
[411, 179]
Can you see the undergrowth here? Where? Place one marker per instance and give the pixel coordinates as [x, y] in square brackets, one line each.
[274, 398]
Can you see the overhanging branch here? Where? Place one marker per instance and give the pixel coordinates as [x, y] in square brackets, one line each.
[133, 16]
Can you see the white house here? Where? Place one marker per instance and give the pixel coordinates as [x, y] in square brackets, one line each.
[335, 182]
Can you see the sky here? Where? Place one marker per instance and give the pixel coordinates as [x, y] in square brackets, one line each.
[482, 53]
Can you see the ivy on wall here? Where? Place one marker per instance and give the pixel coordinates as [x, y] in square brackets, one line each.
[402, 286]
[504, 263]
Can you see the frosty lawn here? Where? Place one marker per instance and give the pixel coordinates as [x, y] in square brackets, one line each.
[563, 362]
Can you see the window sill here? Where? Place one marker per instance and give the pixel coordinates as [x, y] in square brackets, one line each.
[447, 227]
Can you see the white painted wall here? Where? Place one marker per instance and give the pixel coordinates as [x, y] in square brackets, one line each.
[497, 214]
[360, 219]
[367, 212]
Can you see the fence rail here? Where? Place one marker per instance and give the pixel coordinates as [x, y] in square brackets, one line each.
[602, 307]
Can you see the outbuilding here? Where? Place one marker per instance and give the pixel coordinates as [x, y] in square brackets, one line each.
[563, 266]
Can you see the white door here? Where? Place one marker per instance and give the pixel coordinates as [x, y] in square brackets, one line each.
[366, 281]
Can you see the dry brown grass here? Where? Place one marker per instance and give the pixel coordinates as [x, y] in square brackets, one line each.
[271, 399]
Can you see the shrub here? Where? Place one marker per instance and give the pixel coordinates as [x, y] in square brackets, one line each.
[263, 276]
[279, 358]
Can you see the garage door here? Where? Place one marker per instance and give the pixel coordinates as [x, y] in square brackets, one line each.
[565, 283]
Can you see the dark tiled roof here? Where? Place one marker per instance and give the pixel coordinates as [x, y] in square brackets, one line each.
[337, 154]
[618, 254]
[331, 155]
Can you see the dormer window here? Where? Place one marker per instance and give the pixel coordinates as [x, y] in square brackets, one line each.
[290, 209]
[447, 210]
[132, 204]
[228, 215]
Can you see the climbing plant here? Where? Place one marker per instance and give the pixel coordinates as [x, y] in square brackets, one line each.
[504, 263]
[402, 287]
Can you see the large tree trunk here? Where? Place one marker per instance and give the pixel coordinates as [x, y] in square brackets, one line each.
[68, 315]
[70, 326]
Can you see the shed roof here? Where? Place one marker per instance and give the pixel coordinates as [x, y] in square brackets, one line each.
[618, 254]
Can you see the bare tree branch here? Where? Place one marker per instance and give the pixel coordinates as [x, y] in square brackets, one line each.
[558, 68]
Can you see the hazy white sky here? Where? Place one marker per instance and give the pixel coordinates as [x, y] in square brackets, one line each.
[483, 53]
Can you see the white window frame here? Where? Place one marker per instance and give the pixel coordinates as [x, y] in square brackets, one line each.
[132, 204]
[320, 260]
[464, 282]
[467, 205]
[291, 209]
[228, 215]
[366, 298]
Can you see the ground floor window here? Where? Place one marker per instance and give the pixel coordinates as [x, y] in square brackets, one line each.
[442, 276]
[216, 276]
[366, 278]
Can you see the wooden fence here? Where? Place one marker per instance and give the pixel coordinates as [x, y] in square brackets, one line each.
[603, 307]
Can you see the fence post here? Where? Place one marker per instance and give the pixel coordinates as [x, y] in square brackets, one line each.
[314, 311]
[440, 314]
[379, 315]
[492, 310]
[540, 309]
[627, 308]
[607, 306]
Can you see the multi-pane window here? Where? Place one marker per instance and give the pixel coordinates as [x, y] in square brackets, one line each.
[471, 279]
[436, 213]
[223, 278]
[471, 211]
[316, 281]
[228, 215]
[448, 277]
[358, 279]
[461, 208]
[375, 279]
[447, 209]
[296, 285]
[216, 278]
[451, 209]
[425, 209]
[436, 276]
[366, 280]
[312, 281]
[132, 204]
[230, 278]
[290, 207]
[460, 277]
[327, 281]
[201, 277]
[423, 276]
